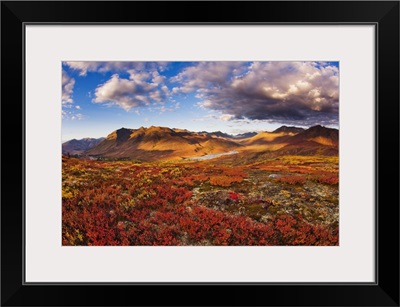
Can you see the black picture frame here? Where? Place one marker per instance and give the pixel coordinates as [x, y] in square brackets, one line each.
[383, 14]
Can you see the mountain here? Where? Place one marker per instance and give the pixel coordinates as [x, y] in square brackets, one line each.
[159, 143]
[76, 147]
[245, 135]
[162, 143]
[271, 140]
[318, 134]
[286, 129]
[315, 140]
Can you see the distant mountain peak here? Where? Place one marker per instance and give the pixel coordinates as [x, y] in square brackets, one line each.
[76, 147]
[288, 129]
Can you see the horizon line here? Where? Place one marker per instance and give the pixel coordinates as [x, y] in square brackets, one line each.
[214, 131]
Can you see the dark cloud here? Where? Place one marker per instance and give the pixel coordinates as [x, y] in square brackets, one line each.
[303, 93]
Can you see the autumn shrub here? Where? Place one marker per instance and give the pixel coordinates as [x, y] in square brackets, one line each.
[149, 204]
[224, 181]
[331, 179]
[234, 171]
[295, 179]
[234, 196]
[294, 230]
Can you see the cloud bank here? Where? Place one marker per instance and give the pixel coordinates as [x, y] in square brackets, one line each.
[83, 67]
[303, 93]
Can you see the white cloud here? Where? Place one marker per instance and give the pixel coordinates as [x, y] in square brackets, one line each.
[83, 67]
[157, 78]
[67, 88]
[77, 116]
[226, 117]
[137, 91]
[71, 115]
[68, 107]
[205, 74]
[164, 109]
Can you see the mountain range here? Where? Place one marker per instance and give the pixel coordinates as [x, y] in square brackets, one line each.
[162, 143]
[77, 147]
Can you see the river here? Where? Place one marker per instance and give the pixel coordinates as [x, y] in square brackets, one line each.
[212, 156]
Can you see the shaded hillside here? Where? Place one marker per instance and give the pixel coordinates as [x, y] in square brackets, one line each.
[76, 147]
[318, 134]
[315, 140]
[245, 135]
[288, 130]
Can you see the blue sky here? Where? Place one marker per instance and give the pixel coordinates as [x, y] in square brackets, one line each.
[232, 97]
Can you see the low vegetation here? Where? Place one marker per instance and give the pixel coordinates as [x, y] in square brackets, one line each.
[232, 200]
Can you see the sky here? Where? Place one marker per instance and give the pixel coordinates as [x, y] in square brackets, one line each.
[233, 97]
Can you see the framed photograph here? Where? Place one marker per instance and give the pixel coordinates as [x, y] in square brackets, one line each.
[251, 149]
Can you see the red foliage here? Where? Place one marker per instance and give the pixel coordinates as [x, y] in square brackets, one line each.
[296, 179]
[332, 179]
[234, 196]
[149, 205]
[224, 181]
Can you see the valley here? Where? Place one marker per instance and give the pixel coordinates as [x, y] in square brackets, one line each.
[164, 186]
